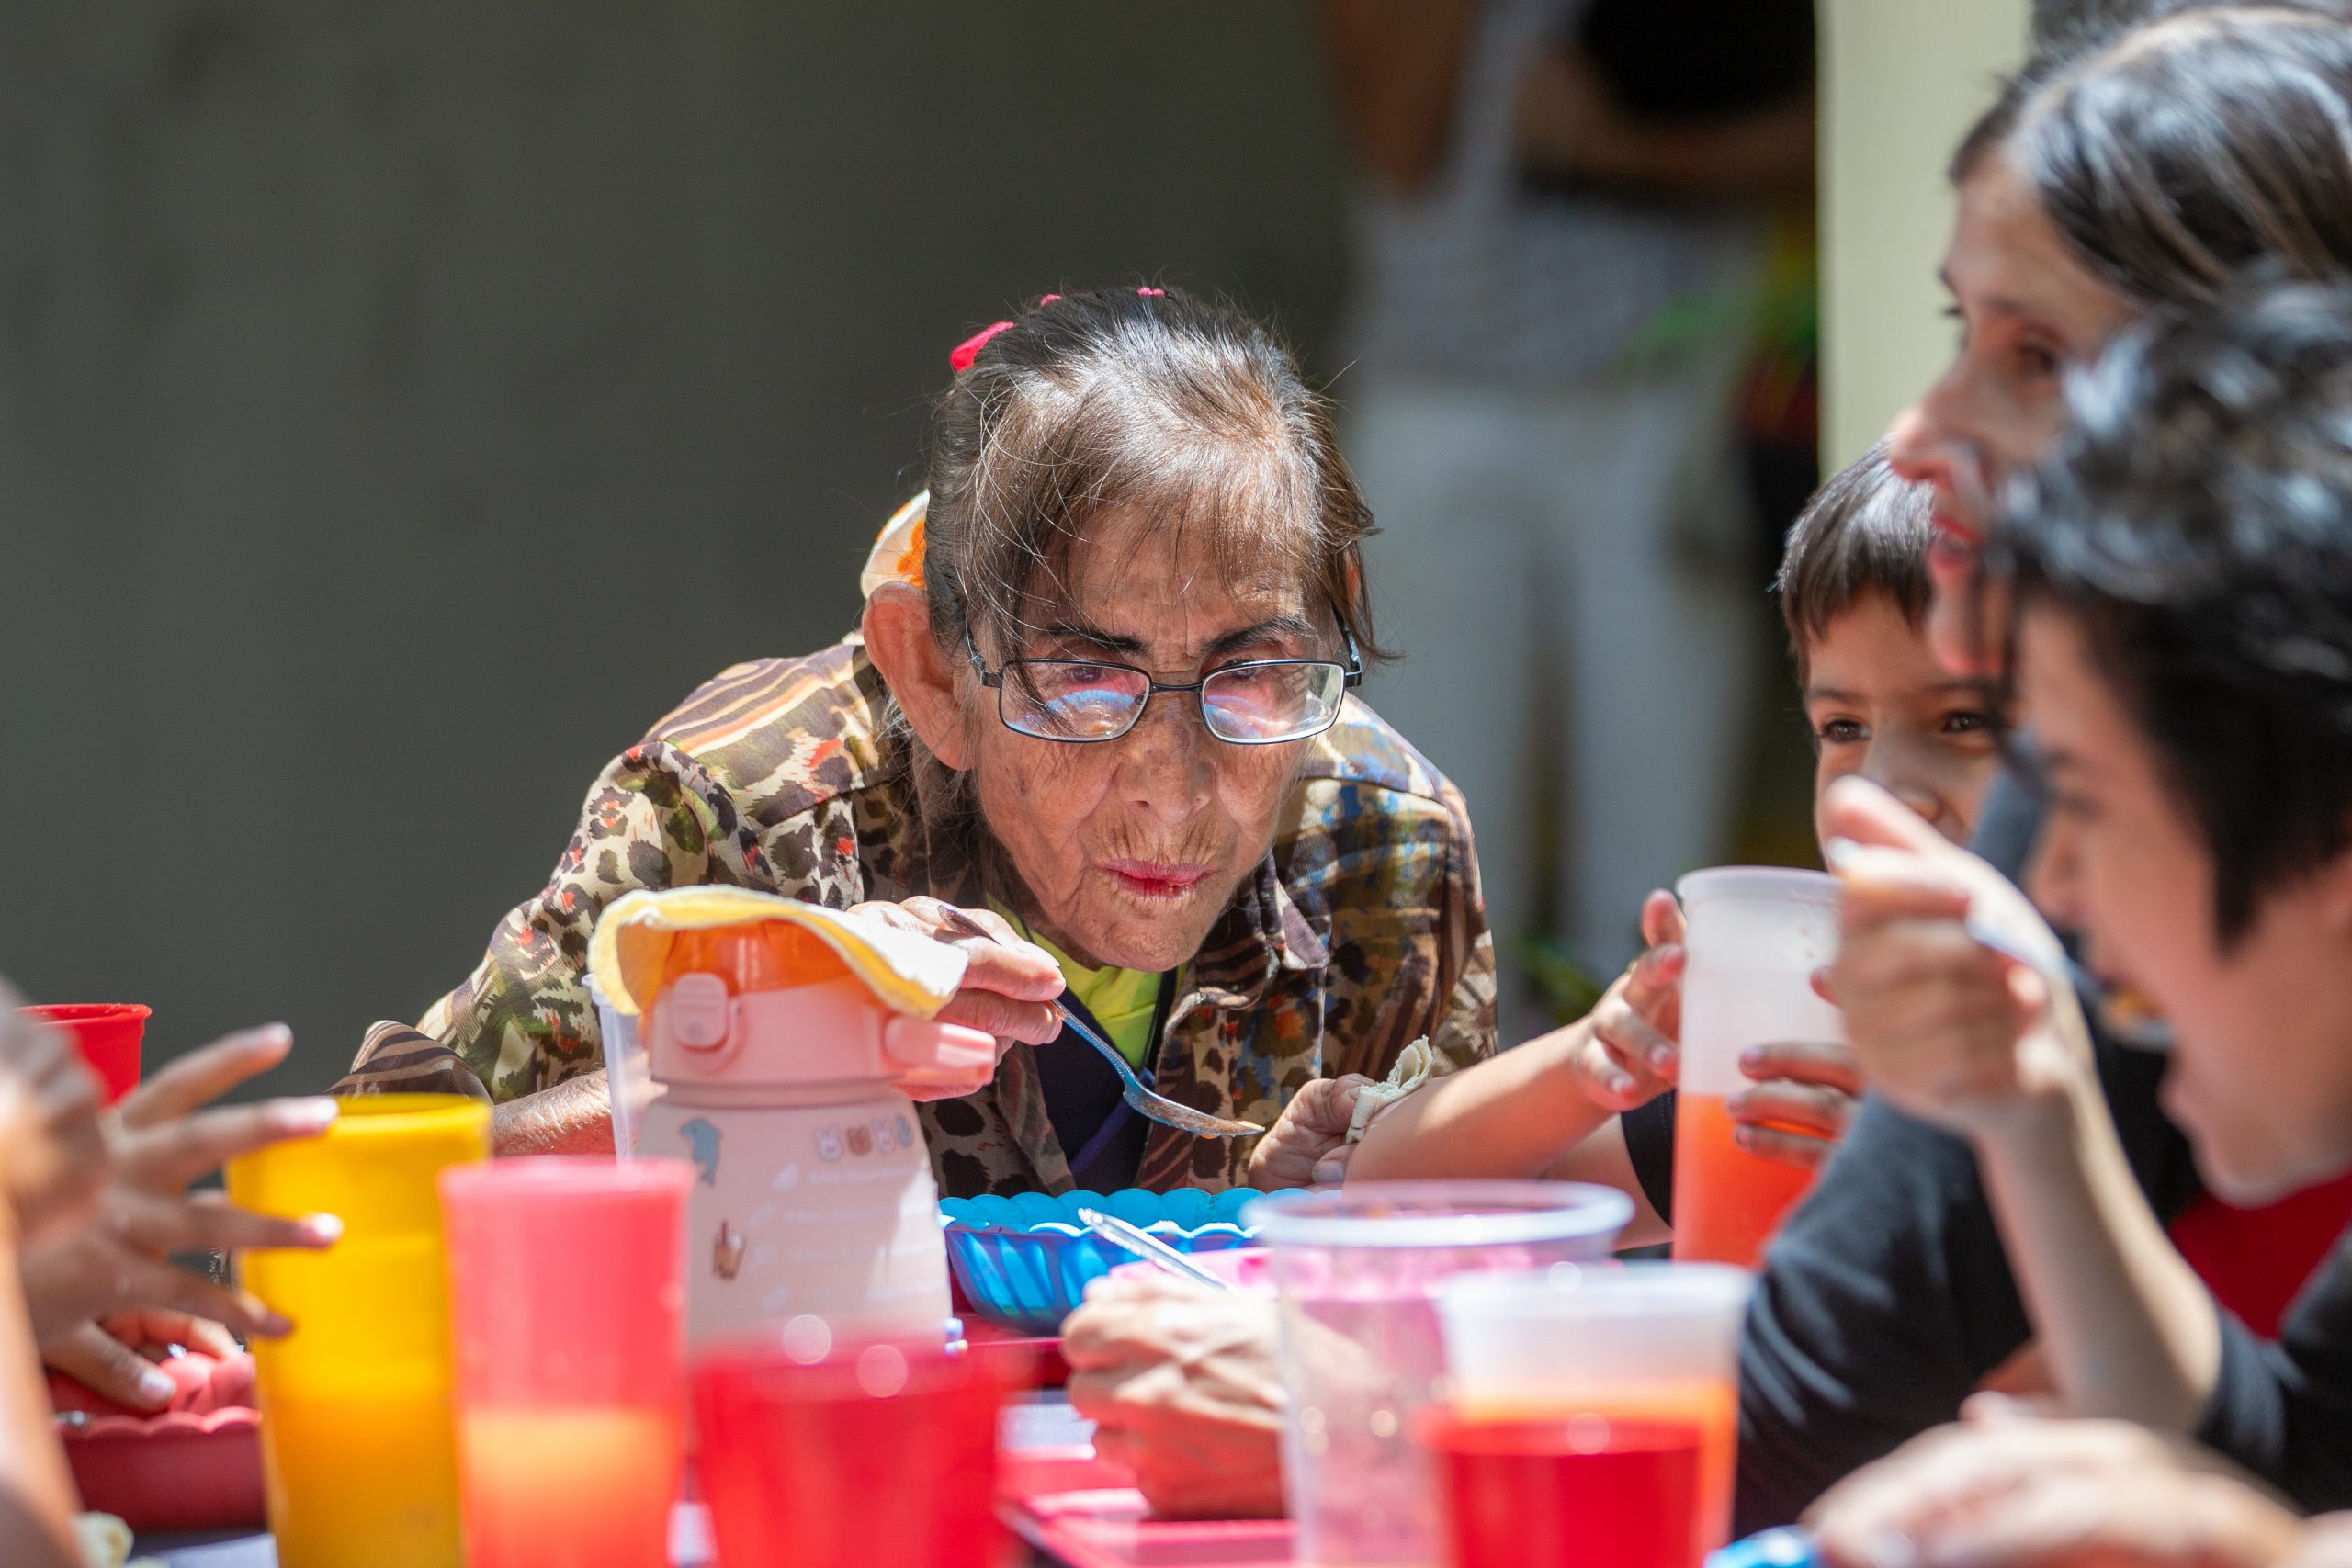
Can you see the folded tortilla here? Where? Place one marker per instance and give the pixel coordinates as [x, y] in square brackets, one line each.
[906, 972]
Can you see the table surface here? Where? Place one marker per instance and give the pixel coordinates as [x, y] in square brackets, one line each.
[1043, 1421]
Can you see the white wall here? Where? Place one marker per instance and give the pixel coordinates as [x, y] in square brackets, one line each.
[1900, 80]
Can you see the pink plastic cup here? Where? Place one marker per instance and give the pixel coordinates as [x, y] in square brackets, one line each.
[871, 1456]
[108, 1035]
[567, 1285]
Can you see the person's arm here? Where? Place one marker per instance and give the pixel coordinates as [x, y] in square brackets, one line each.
[1883, 1302]
[1998, 1051]
[2284, 1410]
[1522, 1112]
[1571, 126]
[2009, 1493]
[36, 1498]
[1396, 66]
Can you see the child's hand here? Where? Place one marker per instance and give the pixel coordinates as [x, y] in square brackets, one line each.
[1802, 1097]
[1629, 1055]
[1308, 1145]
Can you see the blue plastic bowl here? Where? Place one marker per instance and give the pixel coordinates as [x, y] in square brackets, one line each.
[1024, 1261]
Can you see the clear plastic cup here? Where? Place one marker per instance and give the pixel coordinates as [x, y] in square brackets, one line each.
[1614, 1360]
[1357, 1270]
[1757, 935]
[567, 1302]
[628, 1073]
[358, 1459]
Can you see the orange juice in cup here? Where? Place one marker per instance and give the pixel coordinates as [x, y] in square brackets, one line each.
[1757, 935]
[359, 1455]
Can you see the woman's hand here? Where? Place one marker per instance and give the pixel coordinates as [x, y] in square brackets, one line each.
[2022, 1493]
[1010, 985]
[1184, 1387]
[1947, 1029]
[53, 1145]
[1308, 1145]
[1628, 1057]
[164, 1140]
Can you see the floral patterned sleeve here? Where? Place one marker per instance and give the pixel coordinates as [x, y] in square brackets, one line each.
[1463, 1032]
[523, 1021]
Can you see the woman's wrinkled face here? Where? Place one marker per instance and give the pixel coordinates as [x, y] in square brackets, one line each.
[2028, 310]
[1882, 707]
[2261, 1070]
[1132, 848]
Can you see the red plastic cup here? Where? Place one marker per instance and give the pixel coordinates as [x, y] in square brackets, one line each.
[108, 1034]
[566, 1294]
[873, 1456]
[1568, 1491]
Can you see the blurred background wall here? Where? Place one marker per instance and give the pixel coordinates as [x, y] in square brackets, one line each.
[403, 404]
[1900, 81]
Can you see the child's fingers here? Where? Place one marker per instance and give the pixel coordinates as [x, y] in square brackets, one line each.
[1793, 1108]
[1827, 1062]
[1661, 918]
[1781, 1147]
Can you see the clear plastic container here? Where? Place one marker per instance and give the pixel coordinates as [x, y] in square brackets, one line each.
[1638, 1348]
[629, 1077]
[1756, 936]
[1357, 1270]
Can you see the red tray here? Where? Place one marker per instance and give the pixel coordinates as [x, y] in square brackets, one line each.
[175, 1471]
[1085, 1512]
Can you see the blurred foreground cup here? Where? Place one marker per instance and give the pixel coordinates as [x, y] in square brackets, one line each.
[874, 1455]
[566, 1303]
[358, 1457]
[1593, 1416]
[1357, 1269]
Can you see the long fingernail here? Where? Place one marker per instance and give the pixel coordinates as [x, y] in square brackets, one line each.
[322, 1230]
[155, 1387]
[312, 1115]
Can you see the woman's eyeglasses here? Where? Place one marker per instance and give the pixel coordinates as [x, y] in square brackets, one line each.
[1261, 702]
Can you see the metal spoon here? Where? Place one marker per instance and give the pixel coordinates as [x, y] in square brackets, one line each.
[1149, 1248]
[1157, 1107]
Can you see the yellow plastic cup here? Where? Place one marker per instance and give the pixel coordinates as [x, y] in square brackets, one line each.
[358, 1454]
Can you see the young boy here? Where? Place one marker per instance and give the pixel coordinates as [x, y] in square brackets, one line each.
[1594, 1101]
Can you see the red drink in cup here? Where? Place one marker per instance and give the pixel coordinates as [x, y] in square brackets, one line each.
[860, 1456]
[108, 1034]
[1637, 1362]
[1569, 1491]
[1757, 935]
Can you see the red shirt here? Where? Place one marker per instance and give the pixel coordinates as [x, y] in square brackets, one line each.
[2255, 1260]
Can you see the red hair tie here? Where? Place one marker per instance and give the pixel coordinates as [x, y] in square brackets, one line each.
[960, 358]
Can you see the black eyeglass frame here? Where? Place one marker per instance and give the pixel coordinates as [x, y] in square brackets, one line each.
[1350, 677]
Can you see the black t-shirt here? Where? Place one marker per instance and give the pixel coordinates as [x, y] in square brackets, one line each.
[1649, 1144]
[1887, 1295]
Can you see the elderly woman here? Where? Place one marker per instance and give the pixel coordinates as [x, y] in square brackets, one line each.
[1098, 700]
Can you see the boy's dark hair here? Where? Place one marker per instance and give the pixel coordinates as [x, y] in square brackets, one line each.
[2175, 145]
[1865, 532]
[2197, 524]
